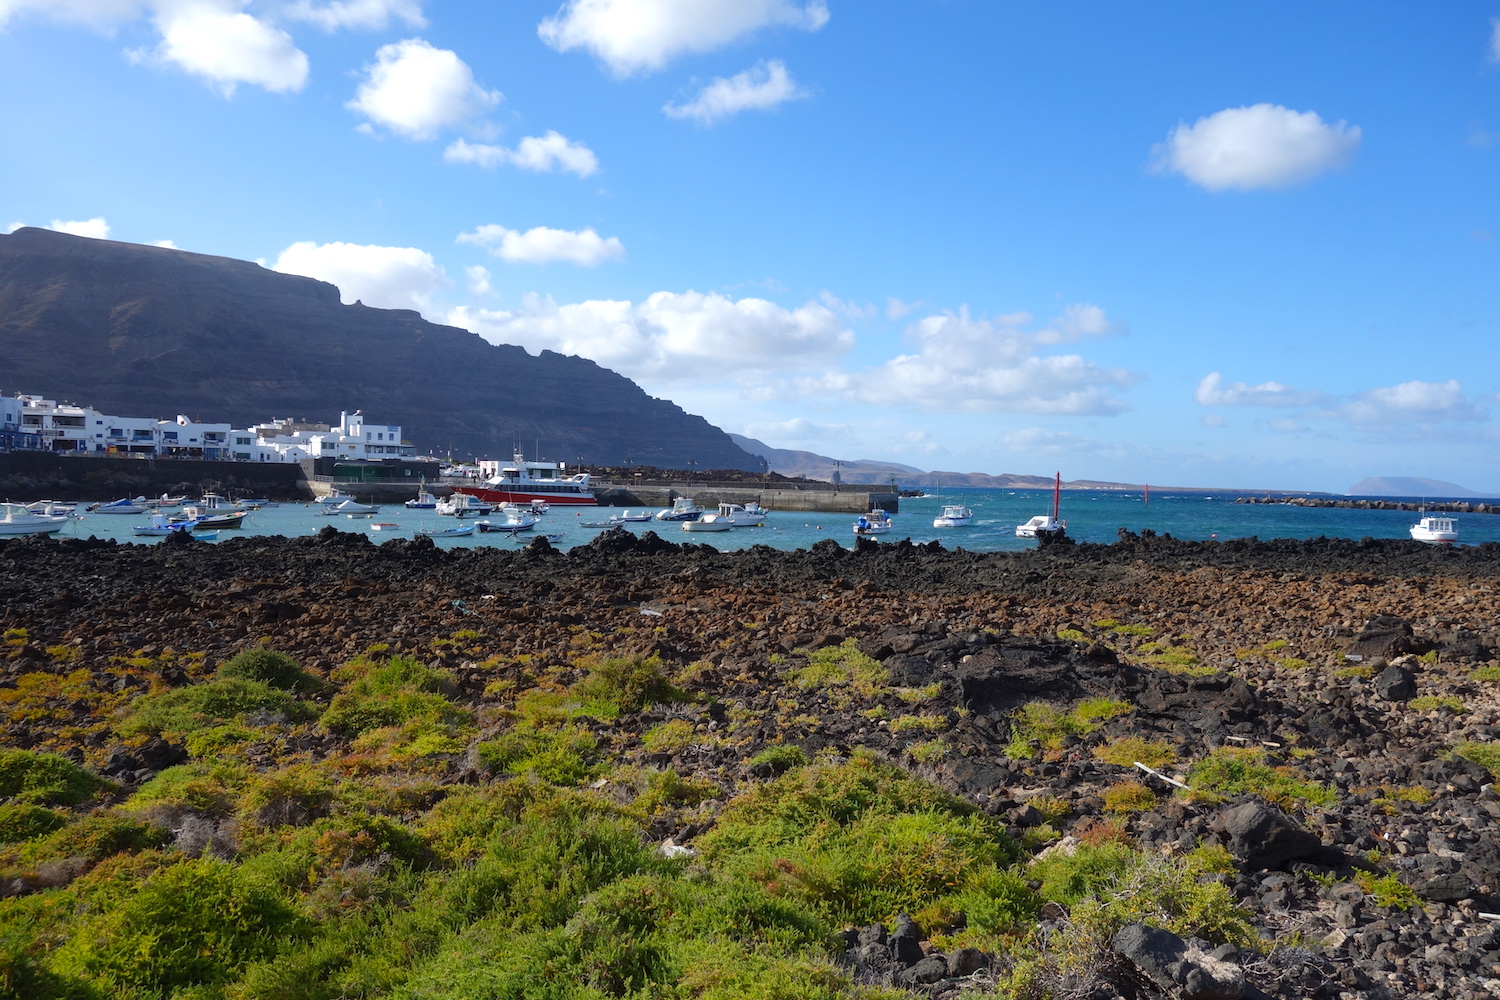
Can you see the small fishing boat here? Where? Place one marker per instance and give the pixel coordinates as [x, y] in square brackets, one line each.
[203, 520]
[56, 508]
[682, 509]
[20, 521]
[742, 516]
[1435, 530]
[627, 517]
[384, 526]
[136, 506]
[453, 532]
[876, 522]
[335, 496]
[463, 505]
[422, 501]
[1046, 528]
[953, 516]
[708, 522]
[359, 514]
[350, 507]
[162, 525]
[513, 522]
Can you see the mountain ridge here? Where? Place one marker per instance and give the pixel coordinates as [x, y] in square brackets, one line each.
[151, 331]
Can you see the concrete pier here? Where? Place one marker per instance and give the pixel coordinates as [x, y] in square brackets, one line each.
[848, 501]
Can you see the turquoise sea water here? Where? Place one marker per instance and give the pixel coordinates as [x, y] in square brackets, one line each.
[1091, 517]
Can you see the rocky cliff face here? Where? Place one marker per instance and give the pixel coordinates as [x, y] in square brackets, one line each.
[146, 331]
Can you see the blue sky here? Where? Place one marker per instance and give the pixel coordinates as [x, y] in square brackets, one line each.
[1200, 244]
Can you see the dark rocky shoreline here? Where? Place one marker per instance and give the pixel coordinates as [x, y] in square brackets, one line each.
[1352, 663]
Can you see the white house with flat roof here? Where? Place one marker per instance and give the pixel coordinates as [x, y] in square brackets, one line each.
[288, 440]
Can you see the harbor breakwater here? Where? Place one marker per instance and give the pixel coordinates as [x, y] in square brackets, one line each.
[1451, 507]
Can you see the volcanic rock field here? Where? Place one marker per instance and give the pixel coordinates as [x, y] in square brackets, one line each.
[1221, 769]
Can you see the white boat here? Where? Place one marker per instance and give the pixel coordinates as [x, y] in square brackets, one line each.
[162, 525]
[523, 481]
[708, 522]
[463, 505]
[741, 516]
[453, 532]
[1046, 527]
[57, 508]
[202, 519]
[253, 503]
[335, 496]
[953, 516]
[682, 509]
[350, 507]
[513, 521]
[1437, 530]
[212, 501]
[166, 500]
[20, 521]
[628, 518]
[136, 506]
[423, 501]
[876, 522]
[384, 526]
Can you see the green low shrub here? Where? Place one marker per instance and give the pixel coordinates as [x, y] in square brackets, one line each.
[623, 685]
[398, 691]
[834, 666]
[268, 667]
[45, 779]
[178, 713]
[208, 787]
[20, 821]
[1230, 771]
[1042, 727]
[777, 760]
[565, 755]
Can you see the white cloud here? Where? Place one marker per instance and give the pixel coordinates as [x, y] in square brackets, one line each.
[759, 88]
[97, 14]
[671, 336]
[12, 228]
[219, 42]
[799, 430]
[95, 228]
[1078, 321]
[417, 90]
[1262, 146]
[974, 365]
[1212, 391]
[895, 308]
[542, 245]
[636, 36]
[542, 154]
[165, 244]
[369, 15]
[479, 280]
[1212, 420]
[1412, 402]
[385, 277]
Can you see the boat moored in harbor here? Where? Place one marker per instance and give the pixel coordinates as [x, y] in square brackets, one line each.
[1435, 530]
[20, 521]
[524, 482]
[1046, 528]
[953, 516]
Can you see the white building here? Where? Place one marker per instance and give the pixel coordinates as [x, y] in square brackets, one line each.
[288, 440]
[63, 426]
[184, 438]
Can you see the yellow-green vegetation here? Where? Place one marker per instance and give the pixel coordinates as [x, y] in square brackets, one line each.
[1072, 635]
[1387, 890]
[1230, 771]
[1292, 663]
[672, 736]
[1486, 755]
[1039, 727]
[1174, 659]
[1128, 750]
[919, 723]
[913, 696]
[1358, 672]
[1391, 799]
[1433, 702]
[929, 752]
[1489, 673]
[1136, 630]
[431, 847]
[1128, 797]
[843, 665]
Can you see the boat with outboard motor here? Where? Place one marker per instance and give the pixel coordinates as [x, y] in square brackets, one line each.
[742, 516]
[708, 522]
[522, 482]
[876, 522]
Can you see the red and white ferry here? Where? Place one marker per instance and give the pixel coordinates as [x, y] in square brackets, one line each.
[524, 482]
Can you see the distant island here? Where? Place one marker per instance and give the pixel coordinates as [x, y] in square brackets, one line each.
[1408, 486]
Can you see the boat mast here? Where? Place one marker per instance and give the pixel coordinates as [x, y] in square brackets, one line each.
[1056, 495]
[1148, 494]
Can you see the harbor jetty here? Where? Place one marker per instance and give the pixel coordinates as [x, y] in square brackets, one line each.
[1458, 507]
